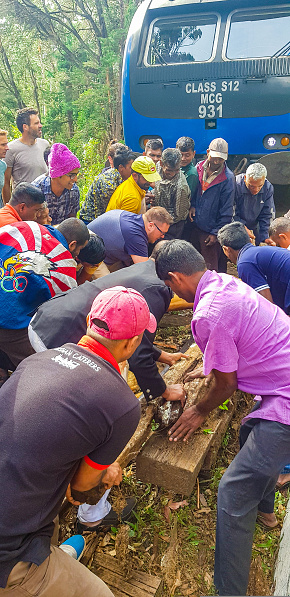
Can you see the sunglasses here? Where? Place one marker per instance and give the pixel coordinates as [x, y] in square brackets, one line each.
[73, 176]
[161, 231]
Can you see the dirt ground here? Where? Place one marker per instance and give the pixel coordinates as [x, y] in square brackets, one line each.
[173, 537]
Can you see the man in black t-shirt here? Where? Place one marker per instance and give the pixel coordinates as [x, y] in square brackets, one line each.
[63, 320]
[65, 416]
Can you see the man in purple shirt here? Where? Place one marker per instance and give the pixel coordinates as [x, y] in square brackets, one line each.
[245, 340]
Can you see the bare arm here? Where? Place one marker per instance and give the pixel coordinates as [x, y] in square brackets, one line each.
[138, 258]
[222, 388]
[6, 193]
[267, 294]
[87, 477]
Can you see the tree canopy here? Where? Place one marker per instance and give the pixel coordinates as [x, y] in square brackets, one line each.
[64, 58]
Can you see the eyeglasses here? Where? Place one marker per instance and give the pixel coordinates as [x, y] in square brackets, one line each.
[161, 231]
[73, 176]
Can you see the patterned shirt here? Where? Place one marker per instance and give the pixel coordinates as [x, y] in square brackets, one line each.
[34, 266]
[173, 195]
[59, 207]
[99, 194]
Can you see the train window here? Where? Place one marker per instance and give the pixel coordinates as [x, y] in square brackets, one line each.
[182, 41]
[258, 34]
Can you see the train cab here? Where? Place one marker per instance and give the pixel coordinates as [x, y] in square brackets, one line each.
[206, 69]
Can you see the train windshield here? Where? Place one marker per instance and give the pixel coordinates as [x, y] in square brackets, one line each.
[182, 41]
[259, 35]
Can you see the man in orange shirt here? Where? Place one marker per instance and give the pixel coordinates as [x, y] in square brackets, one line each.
[25, 203]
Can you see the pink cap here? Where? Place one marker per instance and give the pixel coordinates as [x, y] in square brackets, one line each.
[124, 311]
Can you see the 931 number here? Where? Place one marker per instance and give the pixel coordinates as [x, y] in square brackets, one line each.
[210, 111]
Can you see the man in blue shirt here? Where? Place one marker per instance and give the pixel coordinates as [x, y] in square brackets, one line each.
[265, 269]
[126, 235]
[254, 203]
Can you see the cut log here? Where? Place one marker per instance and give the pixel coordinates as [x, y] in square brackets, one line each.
[139, 584]
[176, 465]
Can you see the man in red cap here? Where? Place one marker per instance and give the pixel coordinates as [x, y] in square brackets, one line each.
[63, 432]
[59, 187]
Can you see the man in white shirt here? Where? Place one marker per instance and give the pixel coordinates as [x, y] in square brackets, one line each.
[24, 158]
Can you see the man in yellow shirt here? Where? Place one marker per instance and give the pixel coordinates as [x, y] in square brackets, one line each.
[128, 195]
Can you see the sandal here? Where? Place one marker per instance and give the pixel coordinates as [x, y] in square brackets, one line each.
[263, 522]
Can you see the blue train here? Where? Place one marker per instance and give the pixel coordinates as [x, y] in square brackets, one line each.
[209, 68]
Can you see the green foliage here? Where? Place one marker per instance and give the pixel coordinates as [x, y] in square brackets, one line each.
[65, 59]
[223, 406]
[226, 439]
[154, 425]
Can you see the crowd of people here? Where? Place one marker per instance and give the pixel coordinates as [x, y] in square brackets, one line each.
[82, 289]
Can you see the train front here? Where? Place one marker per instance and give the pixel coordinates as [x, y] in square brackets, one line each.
[209, 69]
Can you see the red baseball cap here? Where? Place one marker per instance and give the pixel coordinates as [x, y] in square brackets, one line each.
[124, 311]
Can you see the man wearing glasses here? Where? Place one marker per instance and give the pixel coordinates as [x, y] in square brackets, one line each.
[59, 187]
[126, 235]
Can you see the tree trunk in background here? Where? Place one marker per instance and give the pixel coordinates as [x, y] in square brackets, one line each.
[10, 83]
[119, 126]
[35, 87]
[70, 122]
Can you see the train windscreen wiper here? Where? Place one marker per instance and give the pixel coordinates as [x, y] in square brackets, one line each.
[159, 56]
[284, 51]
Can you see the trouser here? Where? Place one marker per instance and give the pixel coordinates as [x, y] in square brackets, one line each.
[58, 576]
[213, 255]
[247, 485]
[15, 345]
[100, 272]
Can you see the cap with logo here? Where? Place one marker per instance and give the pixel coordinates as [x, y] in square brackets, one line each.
[145, 166]
[123, 312]
[219, 148]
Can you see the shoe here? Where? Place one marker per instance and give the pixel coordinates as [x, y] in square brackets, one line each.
[112, 518]
[263, 522]
[74, 546]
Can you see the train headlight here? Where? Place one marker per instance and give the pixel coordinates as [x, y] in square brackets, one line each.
[271, 141]
[285, 141]
[277, 141]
